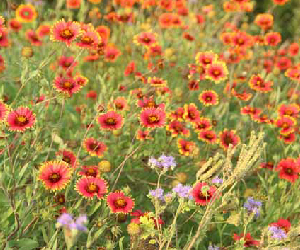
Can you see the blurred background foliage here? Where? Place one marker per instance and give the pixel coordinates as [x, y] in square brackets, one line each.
[287, 17]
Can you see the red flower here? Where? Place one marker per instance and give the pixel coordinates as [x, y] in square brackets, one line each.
[111, 53]
[217, 72]
[67, 62]
[89, 171]
[88, 38]
[177, 128]
[3, 111]
[294, 49]
[208, 136]
[249, 241]
[145, 38]
[118, 202]
[291, 110]
[130, 68]
[26, 13]
[66, 85]
[111, 121]
[55, 175]
[202, 124]
[288, 169]
[283, 224]
[143, 135]
[272, 38]
[264, 21]
[94, 147]
[152, 117]
[4, 42]
[89, 187]
[20, 119]
[280, 2]
[68, 157]
[203, 193]
[209, 97]
[205, 58]
[259, 84]
[65, 31]
[186, 148]
[287, 124]
[228, 137]
[33, 38]
[191, 113]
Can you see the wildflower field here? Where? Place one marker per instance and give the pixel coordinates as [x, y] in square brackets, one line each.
[148, 124]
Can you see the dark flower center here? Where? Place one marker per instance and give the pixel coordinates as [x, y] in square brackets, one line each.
[120, 202]
[92, 188]
[66, 159]
[91, 172]
[153, 119]
[87, 40]
[21, 120]
[289, 171]
[67, 33]
[111, 121]
[54, 177]
[228, 140]
[67, 85]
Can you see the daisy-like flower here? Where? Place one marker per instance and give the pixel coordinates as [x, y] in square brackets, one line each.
[205, 58]
[248, 110]
[15, 25]
[208, 136]
[272, 38]
[120, 103]
[81, 80]
[257, 83]
[288, 138]
[177, 128]
[88, 39]
[289, 169]
[3, 111]
[20, 119]
[145, 38]
[152, 117]
[191, 113]
[209, 97]
[202, 124]
[67, 62]
[104, 32]
[4, 42]
[89, 187]
[291, 110]
[43, 30]
[68, 157]
[55, 175]
[111, 53]
[203, 193]
[89, 171]
[264, 21]
[280, 2]
[65, 32]
[287, 124]
[283, 224]
[33, 38]
[149, 103]
[118, 202]
[111, 121]
[26, 13]
[248, 240]
[228, 137]
[217, 72]
[186, 148]
[94, 147]
[177, 114]
[157, 82]
[143, 135]
[66, 85]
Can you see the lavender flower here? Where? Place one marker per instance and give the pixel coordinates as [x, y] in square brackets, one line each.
[213, 248]
[183, 191]
[157, 193]
[35, 2]
[163, 161]
[67, 221]
[253, 206]
[277, 233]
[217, 180]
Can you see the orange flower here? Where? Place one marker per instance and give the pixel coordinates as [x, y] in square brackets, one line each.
[26, 13]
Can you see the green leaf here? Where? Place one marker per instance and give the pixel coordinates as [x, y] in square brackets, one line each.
[24, 244]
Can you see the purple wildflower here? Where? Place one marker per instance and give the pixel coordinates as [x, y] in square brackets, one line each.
[253, 206]
[217, 180]
[277, 233]
[213, 248]
[157, 193]
[183, 191]
[163, 161]
[66, 220]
